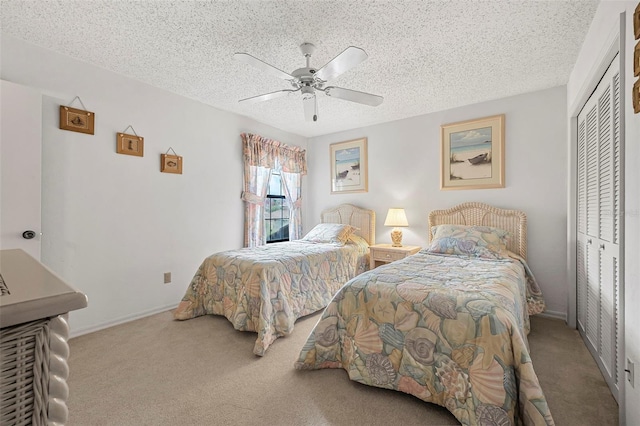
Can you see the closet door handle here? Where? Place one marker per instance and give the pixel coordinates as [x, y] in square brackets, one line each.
[589, 241]
[602, 246]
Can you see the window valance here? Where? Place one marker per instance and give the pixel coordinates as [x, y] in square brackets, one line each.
[263, 152]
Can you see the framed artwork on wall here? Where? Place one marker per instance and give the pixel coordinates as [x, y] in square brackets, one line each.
[171, 164]
[636, 22]
[349, 167]
[130, 144]
[472, 154]
[636, 97]
[76, 120]
[636, 60]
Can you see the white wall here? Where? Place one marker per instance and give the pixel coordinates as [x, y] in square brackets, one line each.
[605, 26]
[404, 170]
[113, 224]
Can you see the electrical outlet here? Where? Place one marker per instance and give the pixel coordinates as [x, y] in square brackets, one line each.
[630, 372]
[167, 277]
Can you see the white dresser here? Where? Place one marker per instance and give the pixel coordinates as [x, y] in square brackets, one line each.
[34, 303]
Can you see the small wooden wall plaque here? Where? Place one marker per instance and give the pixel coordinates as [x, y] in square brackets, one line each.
[171, 164]
[130, 144]
[636, 97]
[76, 120]
[636, 22]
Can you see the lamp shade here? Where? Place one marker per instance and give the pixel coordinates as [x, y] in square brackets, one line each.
[396, 217]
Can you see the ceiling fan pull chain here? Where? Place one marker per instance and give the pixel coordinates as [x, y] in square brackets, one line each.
[315, 116]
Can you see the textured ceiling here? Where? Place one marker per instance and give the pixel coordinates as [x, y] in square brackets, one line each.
[424, 56]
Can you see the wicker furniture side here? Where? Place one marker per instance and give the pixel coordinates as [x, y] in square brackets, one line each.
[34, 331]
[34, 370]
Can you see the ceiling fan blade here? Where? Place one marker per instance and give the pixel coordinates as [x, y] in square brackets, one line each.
[353, 96]
[349, 58]
[267, 96]
[265, 67]
[310, 104]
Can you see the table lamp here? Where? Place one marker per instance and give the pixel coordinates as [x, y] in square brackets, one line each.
[396, 217]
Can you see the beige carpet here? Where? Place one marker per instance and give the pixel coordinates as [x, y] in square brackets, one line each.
[156, 371]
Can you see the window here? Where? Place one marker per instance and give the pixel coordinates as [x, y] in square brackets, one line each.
[276, 215]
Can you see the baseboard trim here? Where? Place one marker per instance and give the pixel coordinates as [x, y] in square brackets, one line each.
[121, 320]
[554, 315]
[86, 330]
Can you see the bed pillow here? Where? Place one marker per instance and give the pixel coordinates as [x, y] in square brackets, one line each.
[484, 242]
[329, 233]
[358, 240]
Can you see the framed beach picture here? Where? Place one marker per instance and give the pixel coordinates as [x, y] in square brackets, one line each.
[472, 154]
[348, 166]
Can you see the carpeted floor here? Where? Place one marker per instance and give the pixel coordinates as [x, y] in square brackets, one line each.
[157, 371]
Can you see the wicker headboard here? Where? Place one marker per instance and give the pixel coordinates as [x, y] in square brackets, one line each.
[514, 221]
[363, 219]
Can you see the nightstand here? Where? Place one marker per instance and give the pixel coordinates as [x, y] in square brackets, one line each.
[386, 253]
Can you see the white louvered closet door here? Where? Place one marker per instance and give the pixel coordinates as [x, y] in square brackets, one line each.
[599, 225]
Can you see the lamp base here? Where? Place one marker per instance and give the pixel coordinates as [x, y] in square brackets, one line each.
[396, 238]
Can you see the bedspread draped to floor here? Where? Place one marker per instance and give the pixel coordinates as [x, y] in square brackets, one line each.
[455, 336]
[265, 289]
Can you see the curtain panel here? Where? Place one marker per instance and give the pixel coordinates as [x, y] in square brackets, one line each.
[293, 189]
[261, 155]
[254, 195]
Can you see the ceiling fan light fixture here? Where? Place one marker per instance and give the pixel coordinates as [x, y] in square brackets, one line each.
[307, 80]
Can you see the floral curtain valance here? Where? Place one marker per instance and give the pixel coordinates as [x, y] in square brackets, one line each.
[263, 152]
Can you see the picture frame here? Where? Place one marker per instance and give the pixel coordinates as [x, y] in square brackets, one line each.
[130, 144]
[636, 22]
[636, 97]
[349, 167]
[77, 120]
[472, 154]
[636, 60]
[171, 164]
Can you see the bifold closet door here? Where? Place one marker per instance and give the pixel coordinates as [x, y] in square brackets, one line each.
[599, 224]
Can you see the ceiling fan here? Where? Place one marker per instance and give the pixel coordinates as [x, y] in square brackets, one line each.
[309, 80]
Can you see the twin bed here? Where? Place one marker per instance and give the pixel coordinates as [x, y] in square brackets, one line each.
[447, 325]
[266, 289]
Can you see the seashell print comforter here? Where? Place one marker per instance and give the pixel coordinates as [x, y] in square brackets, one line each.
[266, 289]
[447, 329]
